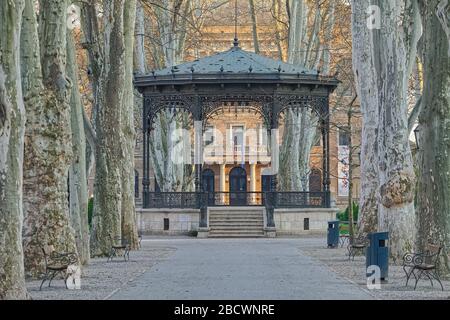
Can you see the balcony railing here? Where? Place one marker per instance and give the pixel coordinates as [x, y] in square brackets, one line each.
[236, 150]
[212, 199]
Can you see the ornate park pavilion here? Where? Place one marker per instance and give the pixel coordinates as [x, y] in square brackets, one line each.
[241, 79]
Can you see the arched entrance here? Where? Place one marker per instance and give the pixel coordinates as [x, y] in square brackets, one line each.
[238, 186]
[208, 184]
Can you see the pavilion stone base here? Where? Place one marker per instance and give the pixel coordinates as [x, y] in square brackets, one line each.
[186, 222]
[181, 221]
[202, 232]
[295, 221]
[270, 232]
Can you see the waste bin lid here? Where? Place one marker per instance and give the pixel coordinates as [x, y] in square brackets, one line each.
[379, 235]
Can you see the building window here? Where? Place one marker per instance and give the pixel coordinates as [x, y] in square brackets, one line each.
[305, 223]
[238, 135]
[262, 136]
[166, 223]
[344, 136]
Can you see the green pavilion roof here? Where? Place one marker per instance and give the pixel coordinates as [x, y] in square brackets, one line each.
[235, 61]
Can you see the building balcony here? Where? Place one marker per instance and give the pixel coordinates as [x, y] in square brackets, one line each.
[236, 153]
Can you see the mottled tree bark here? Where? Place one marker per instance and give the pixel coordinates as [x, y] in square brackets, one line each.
[48, 148]
[110, 50]
[12, 127]
[170, 175]
[251, 4]
[139, 51]
[129, 223]
[300, 129]
[276, 4]
[367, 92]
[106, 220]
[383, 63]
[297, 31]
[394, 53]
[78, 191]
[92, 41]
[433, 196]
[304, 49]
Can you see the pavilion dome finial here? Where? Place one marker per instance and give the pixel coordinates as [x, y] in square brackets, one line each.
[236, 42]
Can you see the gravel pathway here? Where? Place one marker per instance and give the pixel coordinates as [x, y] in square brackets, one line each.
[190, 268]
[393, 289]
[239, 269]
[100, 279]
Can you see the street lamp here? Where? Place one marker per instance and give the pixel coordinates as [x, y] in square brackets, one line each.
[416, 136]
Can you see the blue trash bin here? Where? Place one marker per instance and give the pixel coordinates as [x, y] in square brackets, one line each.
[378, 253]
[333, 234]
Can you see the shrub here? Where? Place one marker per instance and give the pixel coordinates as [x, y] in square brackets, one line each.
[343, 215]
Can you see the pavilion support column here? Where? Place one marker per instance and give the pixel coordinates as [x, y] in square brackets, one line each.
[146, 155]
[203, 229]
[222, 185]
[326, 154]
[253, 182]
[270, 202]
[198, 154]
[274, 157]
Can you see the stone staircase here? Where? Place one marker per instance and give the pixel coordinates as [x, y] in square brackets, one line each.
[236, 222]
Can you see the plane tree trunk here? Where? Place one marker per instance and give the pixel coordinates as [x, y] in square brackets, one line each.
[48, 147]
[363, 63]
[389, 53]
[129, 223]
[12, 128]
[433, 201]
[106, 219]
[78, 191]
[307, 49]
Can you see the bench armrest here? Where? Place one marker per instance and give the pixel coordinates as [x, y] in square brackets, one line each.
[417, 259]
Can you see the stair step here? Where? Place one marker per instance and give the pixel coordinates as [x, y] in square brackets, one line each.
[236, 227]
[241, 231]
[235, 236]
[236, 223]
[236, 213]
[235, 219]
[226, 215]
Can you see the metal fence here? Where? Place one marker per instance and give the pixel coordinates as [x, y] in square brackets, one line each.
[214, 199]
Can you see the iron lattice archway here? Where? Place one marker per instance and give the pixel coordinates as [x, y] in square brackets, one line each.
[202, 108]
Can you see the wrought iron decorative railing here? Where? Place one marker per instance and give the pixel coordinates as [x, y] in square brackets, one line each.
[173, 200]
[211, 199]
[301, 199]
